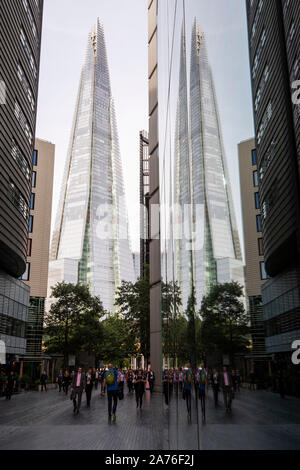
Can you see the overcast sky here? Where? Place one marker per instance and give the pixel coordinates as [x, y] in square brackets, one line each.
[65, 32]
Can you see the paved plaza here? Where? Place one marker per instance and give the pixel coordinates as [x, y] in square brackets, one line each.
[44, 421]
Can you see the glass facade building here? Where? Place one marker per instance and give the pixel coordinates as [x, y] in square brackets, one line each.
[207, 248]
[91, 224]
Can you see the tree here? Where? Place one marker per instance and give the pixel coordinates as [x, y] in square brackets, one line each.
[133, 300]
[225, 326]
[118, 345]
[171, 319]
[73, 322]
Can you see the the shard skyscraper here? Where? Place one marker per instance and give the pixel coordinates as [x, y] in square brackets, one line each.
[91, 242]
[215, 254]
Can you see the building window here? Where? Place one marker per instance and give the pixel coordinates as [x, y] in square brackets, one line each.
[26, 87]
[32, 201]
[254, 157]
[17, 199]
[20, 160]
[26, 275]
[30, 228]
[28, 52]
[257, 203]
[23, 122]
[258, 223]
[30, 18]
[29, 246]
[264, 122]
[263, 272]
[35, 158]
[33, 184]
[260, 247]
[255, 179]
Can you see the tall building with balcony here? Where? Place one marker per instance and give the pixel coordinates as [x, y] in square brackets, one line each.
[90, 242]
[274, 31]
[38, 249]
[20, 45]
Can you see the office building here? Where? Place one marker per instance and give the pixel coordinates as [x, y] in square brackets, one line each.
[20, 45]
[91, 226]
[36, 274]
[273, 30]
[255, 271]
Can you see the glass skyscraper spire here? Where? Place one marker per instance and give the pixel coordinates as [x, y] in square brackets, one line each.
[210, 251]
[91, 231]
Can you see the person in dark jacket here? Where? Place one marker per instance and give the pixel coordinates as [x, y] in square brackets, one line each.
[60, 379]
[44, 378]
[10, 385]
[89, 386]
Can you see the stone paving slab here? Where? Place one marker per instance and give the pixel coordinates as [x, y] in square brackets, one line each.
[45, 421]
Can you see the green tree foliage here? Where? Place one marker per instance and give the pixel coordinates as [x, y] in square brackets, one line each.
[73, 322]
[133, 300]
[118, 345]
[225, 326]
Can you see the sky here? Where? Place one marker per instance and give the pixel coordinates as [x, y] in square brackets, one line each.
[65, 33]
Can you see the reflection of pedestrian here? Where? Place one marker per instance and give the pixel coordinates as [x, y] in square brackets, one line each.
[89, 386]
[226, 386]
[10, 385]
[167, 386]
[44, 378]
[215, 382]
[187, 389]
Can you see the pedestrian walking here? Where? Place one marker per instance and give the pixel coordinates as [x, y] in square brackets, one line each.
[89, 386]
[252, 380]
[151, 379]
[180, 380]
[10, 385]
[78, 388]
[44, 378]
[66, 382]
[227, 389]
[139, 382]
[203, 381]
[96, 379]
[167, 386]
[187, 389]
[215, 382]
[111, 382]
[59, 380]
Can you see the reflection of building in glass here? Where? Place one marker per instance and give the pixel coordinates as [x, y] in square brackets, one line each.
[91, 226]
[202, 180]
[144, 201]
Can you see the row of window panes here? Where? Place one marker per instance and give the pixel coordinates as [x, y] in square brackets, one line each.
[23, 122]
[265, 121]
[256, 19]
[30, 18]
[258, 53]
[18, 200]
[28, 52]
[26, 87]
[261, 87]
[20, 160]
[267, 159]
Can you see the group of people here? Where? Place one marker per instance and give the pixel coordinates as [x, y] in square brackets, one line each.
[112, 382]
[184, 380]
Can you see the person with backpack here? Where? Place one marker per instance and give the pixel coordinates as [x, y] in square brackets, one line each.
[187, 389]
[139, 382]
[111, 381]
